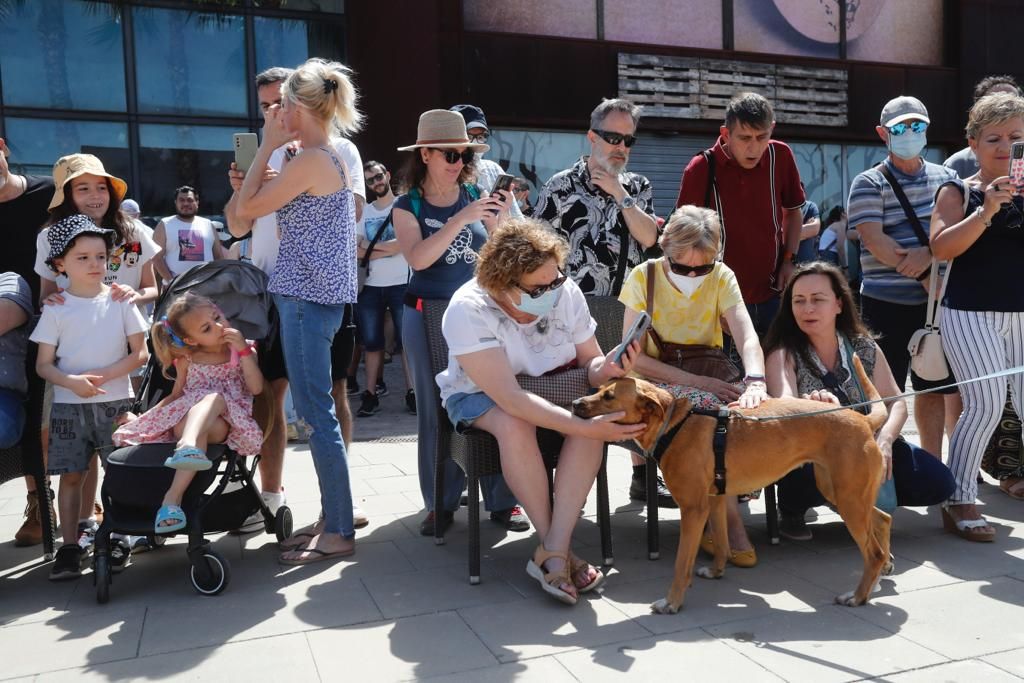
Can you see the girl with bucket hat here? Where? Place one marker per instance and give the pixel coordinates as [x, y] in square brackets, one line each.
[441, 223]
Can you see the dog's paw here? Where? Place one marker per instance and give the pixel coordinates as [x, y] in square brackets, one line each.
[848, 599]
[709, 573]
[663, 606]
[889, 567]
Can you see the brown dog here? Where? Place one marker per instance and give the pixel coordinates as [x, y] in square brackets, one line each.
[848, 467]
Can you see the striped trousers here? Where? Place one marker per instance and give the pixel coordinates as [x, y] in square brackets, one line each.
[979, 343]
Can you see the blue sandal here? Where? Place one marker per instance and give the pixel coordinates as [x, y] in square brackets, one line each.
[188, 458]
[169, 513]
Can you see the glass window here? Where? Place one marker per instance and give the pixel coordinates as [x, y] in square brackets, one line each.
[896, 32]
[280, 42]
[566, 18]
[689, 23]
[189, 62]
[172, 156]
[787, 27]
[37, 143]
[333, 6]
[79, 65]
[536, 155]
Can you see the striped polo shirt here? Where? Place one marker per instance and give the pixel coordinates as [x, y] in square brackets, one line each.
[872, 200]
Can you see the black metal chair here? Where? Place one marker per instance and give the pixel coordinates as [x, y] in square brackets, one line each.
[476, 451]
[26, 458]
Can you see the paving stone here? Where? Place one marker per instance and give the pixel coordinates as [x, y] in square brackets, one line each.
[435, 591]
[410, 648]
[1011, 661]
[546, 669]
[968, 670]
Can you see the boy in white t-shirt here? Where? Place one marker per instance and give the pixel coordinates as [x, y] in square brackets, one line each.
[82, 352]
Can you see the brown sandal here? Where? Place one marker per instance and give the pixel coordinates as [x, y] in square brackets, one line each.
[1012, 487]
[551, 582]
[577, 565]
[968, 529]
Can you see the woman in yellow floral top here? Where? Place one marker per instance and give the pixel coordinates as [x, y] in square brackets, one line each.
[694, 294]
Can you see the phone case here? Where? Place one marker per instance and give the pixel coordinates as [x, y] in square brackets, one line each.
[1016, 170]
[246, 145]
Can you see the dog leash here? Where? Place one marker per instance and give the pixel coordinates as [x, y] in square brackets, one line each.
[853, 406]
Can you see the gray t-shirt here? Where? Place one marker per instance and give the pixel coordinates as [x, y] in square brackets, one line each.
[14, 344]
[963, 162]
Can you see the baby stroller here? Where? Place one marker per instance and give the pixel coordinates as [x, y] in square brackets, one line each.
[135, 478]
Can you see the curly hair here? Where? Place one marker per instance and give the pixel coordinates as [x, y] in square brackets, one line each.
[167, 333]
[784, 332]
[993, 109]
[519, 246]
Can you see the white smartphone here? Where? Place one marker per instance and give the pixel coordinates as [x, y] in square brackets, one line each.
[636, 332]
[246, 145]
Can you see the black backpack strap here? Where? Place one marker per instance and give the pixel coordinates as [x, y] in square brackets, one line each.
[709, 157]
[915, 222]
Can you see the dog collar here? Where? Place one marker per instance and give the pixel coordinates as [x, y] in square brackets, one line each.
[664, 438]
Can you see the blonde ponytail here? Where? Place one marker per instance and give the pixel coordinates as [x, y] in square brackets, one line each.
[326, 89]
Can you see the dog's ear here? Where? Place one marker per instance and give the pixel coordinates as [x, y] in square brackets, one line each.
[652, 413]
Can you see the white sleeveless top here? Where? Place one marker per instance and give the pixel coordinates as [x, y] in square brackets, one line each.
[188, 244]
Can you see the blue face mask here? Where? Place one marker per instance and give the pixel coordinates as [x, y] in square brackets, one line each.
[540, 306]
[909, 145]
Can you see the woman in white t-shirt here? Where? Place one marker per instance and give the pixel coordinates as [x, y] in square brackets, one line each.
[521, 315]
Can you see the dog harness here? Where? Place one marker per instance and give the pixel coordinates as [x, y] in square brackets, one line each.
[718, 441]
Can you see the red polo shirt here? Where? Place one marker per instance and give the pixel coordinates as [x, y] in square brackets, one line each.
[750, 204]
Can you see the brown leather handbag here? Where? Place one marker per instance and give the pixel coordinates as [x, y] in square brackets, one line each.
[698, 359]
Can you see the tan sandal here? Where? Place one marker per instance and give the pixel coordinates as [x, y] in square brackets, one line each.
[577, 565]
[1012, 487]
[551, 582]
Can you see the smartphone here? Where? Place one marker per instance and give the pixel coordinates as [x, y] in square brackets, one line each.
[504, 182]
[246, 145]
[636, 332]
[1017, 163]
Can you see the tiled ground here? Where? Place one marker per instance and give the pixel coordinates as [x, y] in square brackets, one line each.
[402, 608]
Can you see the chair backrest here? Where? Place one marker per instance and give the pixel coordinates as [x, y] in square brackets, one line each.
[607, 312]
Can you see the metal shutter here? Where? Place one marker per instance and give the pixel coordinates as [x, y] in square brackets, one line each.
[661, 157]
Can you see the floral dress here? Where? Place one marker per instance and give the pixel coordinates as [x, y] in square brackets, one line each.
[157, 424]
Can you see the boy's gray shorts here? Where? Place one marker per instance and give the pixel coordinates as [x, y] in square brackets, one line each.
[77, 430]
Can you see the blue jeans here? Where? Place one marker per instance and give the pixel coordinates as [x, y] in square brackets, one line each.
[497, 495]
[307, 332]
[374, 302]
[12, 417]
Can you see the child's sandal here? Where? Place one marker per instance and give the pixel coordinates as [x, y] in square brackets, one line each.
[188, 458]
[169, 513]
[551, 582]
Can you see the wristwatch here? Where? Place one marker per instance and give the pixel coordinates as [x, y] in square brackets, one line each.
[627, 202]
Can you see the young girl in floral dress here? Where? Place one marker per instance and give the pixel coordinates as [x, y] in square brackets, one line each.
[216, 379]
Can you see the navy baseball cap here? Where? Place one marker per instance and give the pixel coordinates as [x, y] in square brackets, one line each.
[473, 115]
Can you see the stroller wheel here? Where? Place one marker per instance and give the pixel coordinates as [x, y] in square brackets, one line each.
[101, 577]
[210, 573]
[156, 540]
[283, 523]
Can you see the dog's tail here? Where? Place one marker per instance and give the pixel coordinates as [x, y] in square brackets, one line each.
[879, 414]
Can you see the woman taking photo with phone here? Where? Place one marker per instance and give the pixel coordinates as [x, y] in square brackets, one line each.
[315, 275]
[688, 294]
[441, 223]
[977, 223]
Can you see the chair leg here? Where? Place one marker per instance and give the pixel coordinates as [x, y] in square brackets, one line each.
[49, 524]
[771, 513]
[604, 519]
[653, 551]
[473, 485]
[440, 466]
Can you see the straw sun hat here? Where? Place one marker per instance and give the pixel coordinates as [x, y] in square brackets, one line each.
[443, 129]
[73, 165]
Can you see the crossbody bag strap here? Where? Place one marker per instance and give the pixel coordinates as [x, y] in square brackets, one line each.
[901, 197]
[620, 270]
[709, 158]
[935, 303]
[655, 337]
[365, 261]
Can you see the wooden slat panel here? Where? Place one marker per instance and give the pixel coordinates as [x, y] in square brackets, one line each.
[689, 87]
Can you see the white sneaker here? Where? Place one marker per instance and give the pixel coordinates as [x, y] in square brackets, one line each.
[255, 521]
[359, 518]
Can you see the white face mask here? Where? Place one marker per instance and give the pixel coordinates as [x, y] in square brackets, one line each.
[686, 284]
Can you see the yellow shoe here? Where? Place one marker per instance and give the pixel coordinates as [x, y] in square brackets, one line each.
[744, 559]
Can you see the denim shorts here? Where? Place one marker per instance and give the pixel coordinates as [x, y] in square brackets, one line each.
[373, 303]
[465, 409]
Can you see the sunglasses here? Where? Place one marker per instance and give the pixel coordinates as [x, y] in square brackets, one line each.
[615, 138]
[480, 138]
[902, 127]
[690, 271]
[541, 290]
[453, 157]
[373, 180]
